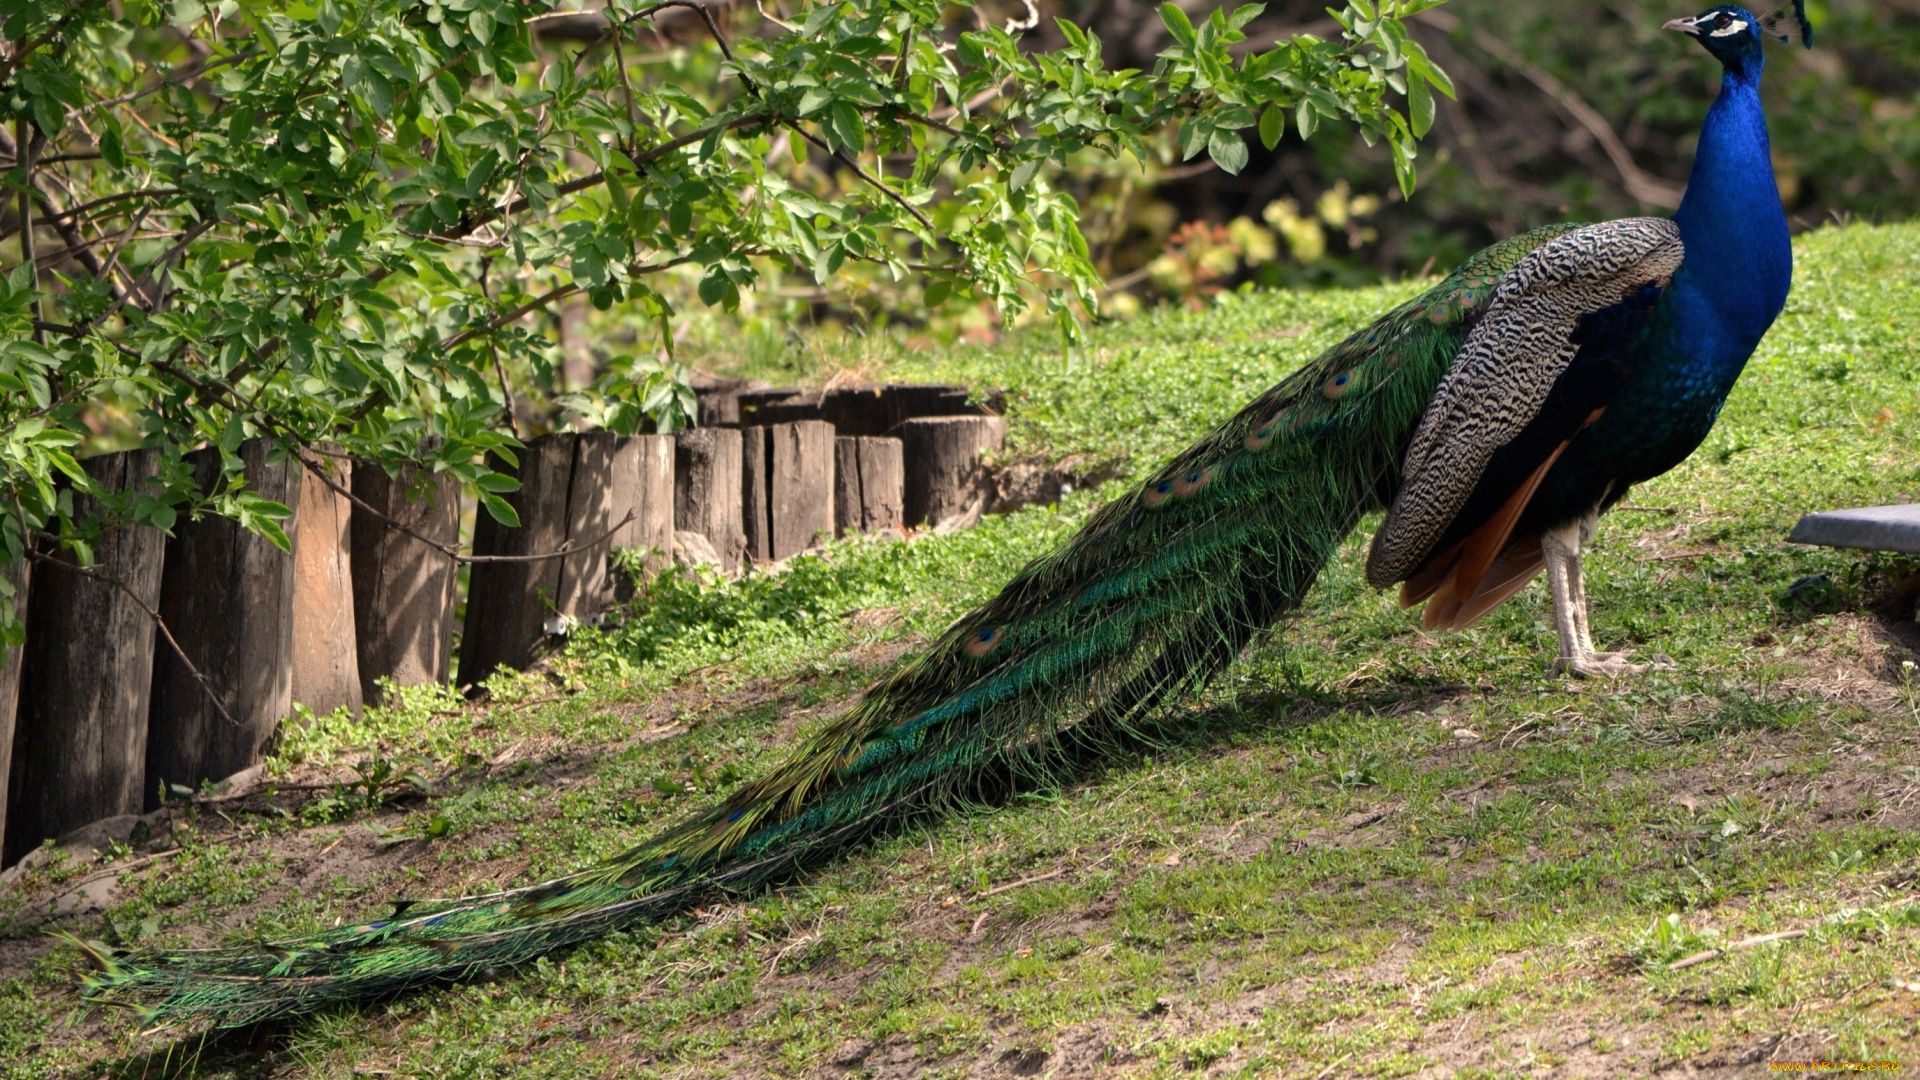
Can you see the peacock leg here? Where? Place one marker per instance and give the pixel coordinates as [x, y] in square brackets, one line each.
[1566, 581]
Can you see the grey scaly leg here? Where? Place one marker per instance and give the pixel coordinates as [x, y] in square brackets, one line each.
[1566, 581]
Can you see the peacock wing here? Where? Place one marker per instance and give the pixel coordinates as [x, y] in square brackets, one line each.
[1505, 371]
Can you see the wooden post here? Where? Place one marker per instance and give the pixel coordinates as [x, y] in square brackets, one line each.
[877, 410]
[799, 485]
[754, 400]
[403, 589]
[946, 481]
[585, 589]
[869, 485]
[756, 465]
[789, 410]
[20, 576]
[227, 595]
[706, 490]
[507, 602]
[643, 484]
[80, 740]
[326, 661]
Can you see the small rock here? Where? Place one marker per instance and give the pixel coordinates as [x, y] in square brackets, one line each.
[95, 896]
[1465, 734]
[96, 835]
[693, 549]
[852, 1053]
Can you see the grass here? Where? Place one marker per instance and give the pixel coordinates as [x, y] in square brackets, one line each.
[1365, 851]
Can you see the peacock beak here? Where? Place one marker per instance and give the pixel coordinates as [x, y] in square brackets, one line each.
[1685, 26]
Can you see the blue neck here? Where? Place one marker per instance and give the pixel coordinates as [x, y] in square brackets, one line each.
[1739, 259]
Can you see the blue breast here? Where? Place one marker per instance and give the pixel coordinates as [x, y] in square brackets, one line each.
[1727, 292]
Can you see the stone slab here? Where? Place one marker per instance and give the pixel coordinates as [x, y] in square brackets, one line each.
[1873, 528]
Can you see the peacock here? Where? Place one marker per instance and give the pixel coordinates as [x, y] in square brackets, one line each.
[1494, 418]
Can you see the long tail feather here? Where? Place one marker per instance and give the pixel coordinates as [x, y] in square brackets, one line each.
[1158, 593]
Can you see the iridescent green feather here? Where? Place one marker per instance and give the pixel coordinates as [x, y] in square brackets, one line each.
[1158, 592]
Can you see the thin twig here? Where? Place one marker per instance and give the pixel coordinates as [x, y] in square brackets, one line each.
[116, 871]
[105, 579]
[1037, 878]
[1648, 189]
[159, 264]
[24, 146]
[863, 174]
[171, 80]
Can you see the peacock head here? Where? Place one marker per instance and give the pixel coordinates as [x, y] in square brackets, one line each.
[1733, 34]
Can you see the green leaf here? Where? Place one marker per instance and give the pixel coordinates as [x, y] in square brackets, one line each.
[1228, 150]
[1023, 173]
[815, 99]
[1177, 24]
[502, 511]
[1419, 107]
[1193, 137]
[1304, 119]
[112, 151]
[846, 126]
[1272, 125]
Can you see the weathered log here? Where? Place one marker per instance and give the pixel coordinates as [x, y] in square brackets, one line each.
[754, 401]
[869, 485]
[799, 485]
[643, 484]
[878, 409]
[20, 577]
[326, 660]
[403, 590]
[946, 485]
[789, 410]
[719, 399]
[756, 466]
[585, 590]
[80, 738]
[507, 601]
[706, 490]
[227, 596]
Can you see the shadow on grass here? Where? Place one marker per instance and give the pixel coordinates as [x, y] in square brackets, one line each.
[1086, 755]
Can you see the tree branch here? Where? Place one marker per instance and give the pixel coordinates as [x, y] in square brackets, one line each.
[863, 174]
[1650, 190]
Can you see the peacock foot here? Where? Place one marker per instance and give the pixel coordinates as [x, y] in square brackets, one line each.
[1596, 664]
[1606, 664]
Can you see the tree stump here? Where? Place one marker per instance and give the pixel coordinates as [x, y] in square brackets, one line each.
[80, 739]
[869, 487]
[227, 595]
[403, 589]
[877, 410]
[326, 660]
[789, 410]
[753, 401]
[799, 485]
[946, 484]
[706, 490]
[719, 399]
[643, 485]
[585, 589]
[507, 601]
[756, 467]
[20, 575]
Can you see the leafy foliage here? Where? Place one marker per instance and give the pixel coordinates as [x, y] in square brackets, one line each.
[331, 223]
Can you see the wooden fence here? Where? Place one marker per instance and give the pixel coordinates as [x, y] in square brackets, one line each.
[101, 710]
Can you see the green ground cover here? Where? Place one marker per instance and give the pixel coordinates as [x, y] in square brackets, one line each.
[1366, 850]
